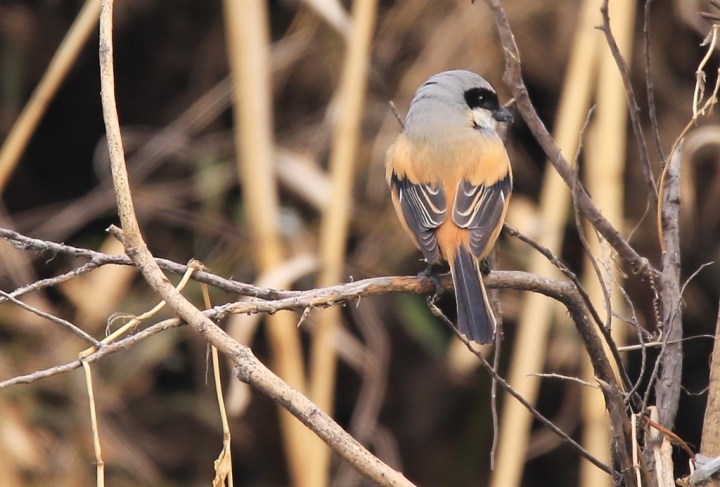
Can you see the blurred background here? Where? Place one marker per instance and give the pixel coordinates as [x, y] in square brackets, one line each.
[403, 385]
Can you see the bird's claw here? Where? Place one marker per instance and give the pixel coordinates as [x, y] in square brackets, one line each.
[430, 272]
[485, 267]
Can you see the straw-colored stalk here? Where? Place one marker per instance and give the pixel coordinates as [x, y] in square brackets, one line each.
[710, 446]
[335, 218]
[99, 463]
[61, 62]
[604, 170]
[248, 50]
[223, 464]
[537, 311]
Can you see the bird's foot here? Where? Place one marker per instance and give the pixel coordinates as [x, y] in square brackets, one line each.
[485, 267]
[431, 272]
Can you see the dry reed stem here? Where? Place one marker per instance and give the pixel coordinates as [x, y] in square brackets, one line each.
[710, 446]
[336, 217]
[604, 176]
[248, 52]
[535, 319]
[223, 464]
[99, 463]
[62, 61]
[333, 12]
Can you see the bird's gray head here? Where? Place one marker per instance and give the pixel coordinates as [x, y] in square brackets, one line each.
[452, 100]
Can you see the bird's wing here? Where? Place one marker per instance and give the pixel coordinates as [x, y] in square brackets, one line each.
[424, 208]
[480, 208]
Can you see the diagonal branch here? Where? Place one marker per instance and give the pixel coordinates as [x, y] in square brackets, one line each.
[509, 389]
[633, 108]
[53, 318]
[513, 79]
[246, 366]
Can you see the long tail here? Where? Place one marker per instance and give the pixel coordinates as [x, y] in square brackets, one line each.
[474, 316]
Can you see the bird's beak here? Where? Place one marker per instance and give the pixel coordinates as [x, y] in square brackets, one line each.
[502, 114]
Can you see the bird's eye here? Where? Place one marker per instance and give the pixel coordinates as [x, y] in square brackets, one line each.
[481, 98]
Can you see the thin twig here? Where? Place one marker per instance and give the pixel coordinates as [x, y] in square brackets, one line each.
[513, 79]
[649, 85]
[70, 326]
[568, 378]
[508, 388]
[123, 344]
[98, 259]
[632, 348]
[670, 435]
[605, 328]
[560, 265]
[633, 108]
[397, 115]
[493, 392]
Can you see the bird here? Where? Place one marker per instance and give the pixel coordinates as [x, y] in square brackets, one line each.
[450, 180]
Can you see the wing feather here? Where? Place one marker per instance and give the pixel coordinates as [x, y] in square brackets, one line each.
[480, 208]
[424, 208]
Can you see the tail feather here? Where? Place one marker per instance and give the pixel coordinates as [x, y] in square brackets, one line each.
[474, 316]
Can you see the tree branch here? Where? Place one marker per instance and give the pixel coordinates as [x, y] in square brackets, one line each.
[633, 108]
[247, 367]
[98, 259]
[668, 386]
[513, 79]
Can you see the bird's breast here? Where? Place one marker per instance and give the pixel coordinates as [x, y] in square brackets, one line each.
[469, 155]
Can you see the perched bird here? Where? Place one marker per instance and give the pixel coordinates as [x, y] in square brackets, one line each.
[451, 181]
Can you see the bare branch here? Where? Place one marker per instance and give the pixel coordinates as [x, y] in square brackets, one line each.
[508, 388]
[272, 300]
[581, 293]
[70, 326]
[246, 366]
[98, 259]
[123, 344]
[667, 389]
[649, 86]
[633, 108]
[513, 79]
